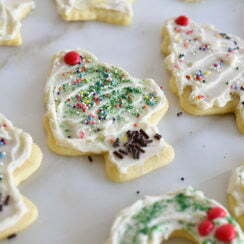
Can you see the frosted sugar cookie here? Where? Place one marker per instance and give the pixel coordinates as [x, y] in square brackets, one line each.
[111, 11]
[11, 14]
[206, 67]
[19, 158]
[236, 194]
[186, 214]
[95, 108]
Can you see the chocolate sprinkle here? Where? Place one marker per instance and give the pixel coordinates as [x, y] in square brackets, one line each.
[90, 158]
[6, 201]
[123, 151]
[144, 133]
[157, 136]
[116, 153]
[139, 149]
[179, 114]
[12, 236]
[116, 143]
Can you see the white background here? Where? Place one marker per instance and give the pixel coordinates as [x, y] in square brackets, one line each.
[77, 203]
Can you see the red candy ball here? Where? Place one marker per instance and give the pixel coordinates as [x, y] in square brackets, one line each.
[216, 212]
[182, 20]
[225, 233]
[72, 58]
[205, 228]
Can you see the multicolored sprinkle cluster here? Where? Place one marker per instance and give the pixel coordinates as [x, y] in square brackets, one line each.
[95, 94]
[193, 48]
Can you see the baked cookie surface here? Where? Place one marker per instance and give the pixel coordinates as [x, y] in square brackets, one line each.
[186, 214]
[206, 67]
[236, 194]
[112, 11]
[11, 14]
[19, 158]
[95, 108]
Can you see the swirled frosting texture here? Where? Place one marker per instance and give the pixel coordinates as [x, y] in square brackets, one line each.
[153, 219]
[91, 104]
[15, 149]
[208, 61]
[236, 189]
[11, 14]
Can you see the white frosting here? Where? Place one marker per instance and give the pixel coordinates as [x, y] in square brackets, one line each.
[211, 63]
[236, 189]
[66, 6]
[11, 13]
[15, 149]
[153, 219]
[83, 125]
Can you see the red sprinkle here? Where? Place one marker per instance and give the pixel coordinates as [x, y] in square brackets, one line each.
[81, 106]
[205, 228]
[186, 44]
[72, 58]
[178, 30]
[182, 20]
[200, 97]
[189, 32]
[216, 212]
[225, 233]
[82, 135]
[199, 78]
[96, 99]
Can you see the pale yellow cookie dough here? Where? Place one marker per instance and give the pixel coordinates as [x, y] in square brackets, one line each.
[21, 174]
[232, 205]
[117, 12]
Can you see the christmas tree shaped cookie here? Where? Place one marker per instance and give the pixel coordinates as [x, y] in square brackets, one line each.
[187, 214]
[111, 11]
[236, 194]
[19, 158]
[94, 108]
[11, 14]
[206, 67]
